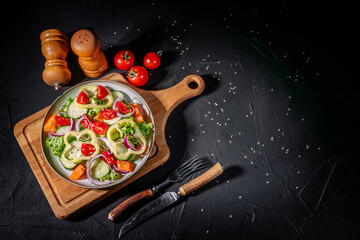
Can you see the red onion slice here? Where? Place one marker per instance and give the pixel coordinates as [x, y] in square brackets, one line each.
[128, 144]
[118, 170]
[107, 143]
[93, 180]
[117, 111]
[72, 124]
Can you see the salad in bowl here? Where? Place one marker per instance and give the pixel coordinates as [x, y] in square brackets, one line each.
[100, 133]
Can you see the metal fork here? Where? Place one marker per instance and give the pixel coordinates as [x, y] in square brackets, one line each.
[191, 165]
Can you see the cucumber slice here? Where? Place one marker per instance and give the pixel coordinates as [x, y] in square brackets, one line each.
[62, 130]
[112, 121]
[68, 165]
[99, 168]
[122, 149]
[75, 112]
[117, 94]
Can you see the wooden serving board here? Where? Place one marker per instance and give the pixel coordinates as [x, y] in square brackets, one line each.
[66, 199]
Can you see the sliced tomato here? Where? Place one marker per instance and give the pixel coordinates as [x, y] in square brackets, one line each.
[99, 128]
[85, 123]
[110, 159]
[122, 107]
[87, 149]
[62, 121]
[108, 114]
[82, 98]
[101, 92]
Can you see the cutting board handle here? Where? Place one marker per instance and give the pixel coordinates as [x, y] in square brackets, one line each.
[190, 86]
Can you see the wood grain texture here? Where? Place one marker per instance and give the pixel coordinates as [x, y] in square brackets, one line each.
[86, 44]
[66, 199]
[204, 178]
[128, 202]
[54, 47]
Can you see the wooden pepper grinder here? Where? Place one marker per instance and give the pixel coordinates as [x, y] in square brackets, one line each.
[54, 47]
[86, 45]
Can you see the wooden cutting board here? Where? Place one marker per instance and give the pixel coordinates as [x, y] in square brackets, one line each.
[66, 199]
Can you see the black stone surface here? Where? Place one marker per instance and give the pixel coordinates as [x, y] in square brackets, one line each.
[278, 112]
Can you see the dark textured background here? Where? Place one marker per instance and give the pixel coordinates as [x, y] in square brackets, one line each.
[278, 113]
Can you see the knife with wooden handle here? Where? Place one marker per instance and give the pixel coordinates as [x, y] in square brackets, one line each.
[169, 198]
[128, 202]
[191, 165]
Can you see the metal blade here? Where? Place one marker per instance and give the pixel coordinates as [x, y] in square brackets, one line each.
[147, 211]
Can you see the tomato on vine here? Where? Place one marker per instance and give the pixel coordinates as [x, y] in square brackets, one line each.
[124, 59]
[138, 76]
[152, 60]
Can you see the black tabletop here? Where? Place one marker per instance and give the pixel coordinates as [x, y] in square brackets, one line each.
[278, 112]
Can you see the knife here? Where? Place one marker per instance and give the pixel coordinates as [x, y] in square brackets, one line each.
[191, 165]
[169, 198]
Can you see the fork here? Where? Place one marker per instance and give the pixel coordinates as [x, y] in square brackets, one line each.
[191, 165]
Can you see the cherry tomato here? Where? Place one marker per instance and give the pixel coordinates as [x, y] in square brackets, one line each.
[108, 114]
[101, 92]
[82, 98]
[152, 60]
[99, 128]
[109, 158]
[62, 121]
[85, 122]
[124, 59]
[122, 107]
[138, 76]
[87, 149]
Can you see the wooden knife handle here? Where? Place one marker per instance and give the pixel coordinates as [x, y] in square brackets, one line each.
[206, 177]
[128, 202]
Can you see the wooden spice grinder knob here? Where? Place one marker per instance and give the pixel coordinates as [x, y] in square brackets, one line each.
[86, 45]
[54, 47]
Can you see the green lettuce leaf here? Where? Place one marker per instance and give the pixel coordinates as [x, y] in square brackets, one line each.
[109, 176]
[65, 107]
[127, 129]
[57, 145]
[145, 128]
[93, 111]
